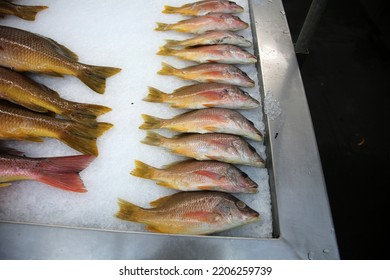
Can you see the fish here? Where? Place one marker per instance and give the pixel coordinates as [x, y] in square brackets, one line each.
[204, 95]
[23, 12]
[196, 212]
[211, 38]
[210, 72]
[208, 120]
[24, 91]
[203, 24]
[212, 146]
[21, 124]
[216, 53]
[24, 51]
[202, 8]
[193, 175]
[59, 172]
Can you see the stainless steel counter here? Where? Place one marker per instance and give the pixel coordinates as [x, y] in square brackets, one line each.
[303, 226]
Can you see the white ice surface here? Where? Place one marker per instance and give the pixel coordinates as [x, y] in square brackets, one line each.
[119, 34]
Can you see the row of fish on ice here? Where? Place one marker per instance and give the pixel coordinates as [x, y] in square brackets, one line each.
[213, 135]
[27, 113]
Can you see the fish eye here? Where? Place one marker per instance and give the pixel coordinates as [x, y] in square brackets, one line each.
[240, 204]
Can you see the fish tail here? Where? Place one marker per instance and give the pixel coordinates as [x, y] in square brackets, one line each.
[151, 122]
[83, 138]
[162, 26]
[95, 76]
[153, 139]
[171, 43]
[165, 51]
[155, 95]
[170, 10]
[129, 211]
[86, 113]
[143, 170]
[167, 69]
[29, 12]
[63, 172]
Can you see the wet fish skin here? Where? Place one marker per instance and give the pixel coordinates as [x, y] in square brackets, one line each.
[203, 24]
[216, 53]
[211, 38]
[204, 95]
[24, 91]
[59, 172]
[21, 124]
[190, 213]
[201, 8]
[193, 175]
[23, 12]
[210, 72]
[25, 51]
[212, 146]
[208, 120]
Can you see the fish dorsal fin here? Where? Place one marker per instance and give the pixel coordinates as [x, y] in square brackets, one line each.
[172, 164]
[61, 49]
[153, 229]
[160, 201]
[5, 184]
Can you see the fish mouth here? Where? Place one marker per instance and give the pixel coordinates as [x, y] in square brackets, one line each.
[254, 188]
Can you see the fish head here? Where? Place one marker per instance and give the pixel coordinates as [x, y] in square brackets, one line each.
[240, 77]
[236, 212]
[233, 22]
[234, 7]
[248, 152]
[239, 181]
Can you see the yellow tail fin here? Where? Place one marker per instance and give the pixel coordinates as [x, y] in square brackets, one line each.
[170, 10]
[83, 138]
[172, 43]
[155, 95]
[129, 211]
[167, 69]
[165, 51]
[151, 122]
[29, 12]
[153, 139]
[162, 26]
[85, 113]
[95, 76]
[143, 170]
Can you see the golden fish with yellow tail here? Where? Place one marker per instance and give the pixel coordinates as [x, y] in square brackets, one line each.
[22, 124]
[25, 51]
[190, 213]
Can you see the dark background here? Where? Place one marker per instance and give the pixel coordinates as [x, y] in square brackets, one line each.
[346, 79]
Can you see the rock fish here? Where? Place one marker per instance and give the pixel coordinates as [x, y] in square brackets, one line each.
[22, 124]
[25, 51]
[203, 24]
[59, 172]
[204, 95]
[201, 8]
[206, 121]
[215, 53]
[21, 90]
[210, 72]
[193, 175]
[213, 146]
[190, 213]
[211, 38]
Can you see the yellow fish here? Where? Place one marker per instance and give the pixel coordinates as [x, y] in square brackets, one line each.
[25, 51]
[21, 90]
[190, 213]
[21, 124]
